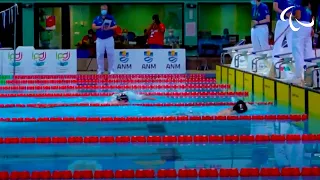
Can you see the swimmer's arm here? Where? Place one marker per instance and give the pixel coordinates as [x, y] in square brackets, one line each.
[226, 112]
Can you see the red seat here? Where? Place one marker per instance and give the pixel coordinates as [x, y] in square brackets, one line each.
[231, 138]
[169, 139]
[308, 171]
[122, 139]
[200, 139]
[270, 172]
[233, 172]
[187, 173]
[144, 173]
[128, 173]
[75, 139]
[4, 175]
[59, 140]
[106, 139]
[103, 174]
[290, 171]
[28, 140]
[185, 139]
[153, 139]
[84, 174]
[40, 175]
[138, 139]
[249, 172]
[62, 175]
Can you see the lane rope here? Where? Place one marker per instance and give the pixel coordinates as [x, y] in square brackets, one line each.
[280, 117]
[93, 76]
[272, 172]
[179, 139]
[171, 94]
[120, 80]
[120, 87]
[43, 105]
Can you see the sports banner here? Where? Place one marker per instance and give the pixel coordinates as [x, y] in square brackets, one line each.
[150, 61]
[42, 62]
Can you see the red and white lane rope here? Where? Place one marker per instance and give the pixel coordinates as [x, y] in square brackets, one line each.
[207, 173]
[179, 139]
[122, 80]
[39, 105]
[118, 87]
[172, 94]
[280, 117]
[114, 76]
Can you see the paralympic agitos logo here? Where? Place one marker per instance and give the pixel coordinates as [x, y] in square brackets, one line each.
[284, 12]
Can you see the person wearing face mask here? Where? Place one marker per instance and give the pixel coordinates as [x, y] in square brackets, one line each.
[156, 33]
[105, 26]
[282, 29]
[302, 39]
[90, 38]
[172, 40]
[260, 31]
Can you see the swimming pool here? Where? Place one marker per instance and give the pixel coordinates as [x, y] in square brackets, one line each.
[73, 155]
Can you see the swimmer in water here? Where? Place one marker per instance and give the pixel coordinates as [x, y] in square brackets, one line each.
[120, 99]
[239, 108]
[131, 96]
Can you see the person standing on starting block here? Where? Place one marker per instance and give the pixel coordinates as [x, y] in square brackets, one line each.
[104, 25]
[260, 31]
[302, 38]
[282, 29]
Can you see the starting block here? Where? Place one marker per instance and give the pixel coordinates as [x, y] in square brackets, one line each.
[238, 49]
[261, 64]
[312, 73]
[285, 67]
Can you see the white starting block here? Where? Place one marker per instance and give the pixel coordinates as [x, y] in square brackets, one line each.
[261, 64]
[235, 50]
[284, 68]
[312, 72]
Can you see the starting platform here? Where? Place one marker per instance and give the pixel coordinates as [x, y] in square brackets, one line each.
[243, 74]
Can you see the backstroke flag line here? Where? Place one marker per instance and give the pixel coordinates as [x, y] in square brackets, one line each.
[7, 15]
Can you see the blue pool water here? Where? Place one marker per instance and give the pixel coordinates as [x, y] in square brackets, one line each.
[141, 156]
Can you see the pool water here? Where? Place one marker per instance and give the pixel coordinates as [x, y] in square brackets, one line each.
[33, 157]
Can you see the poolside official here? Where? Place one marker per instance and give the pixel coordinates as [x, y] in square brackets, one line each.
[105, 26]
